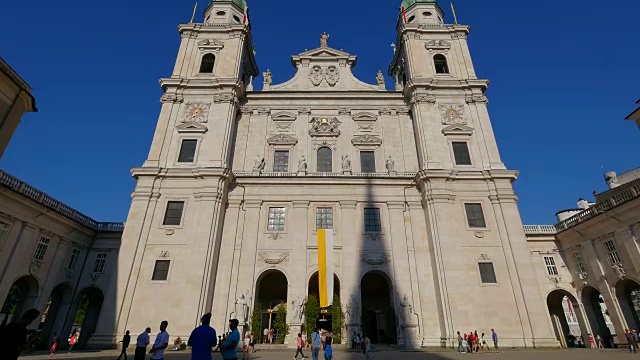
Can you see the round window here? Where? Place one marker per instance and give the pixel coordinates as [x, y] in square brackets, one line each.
[221, 13]
[413, 17]
[426, 13]
[237, 19]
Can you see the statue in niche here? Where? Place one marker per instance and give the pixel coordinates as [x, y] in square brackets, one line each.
[258, 163]
[390, 164]
[241, 307]
[267, 77]
[380, 77]
[302, 164]
[346, 163]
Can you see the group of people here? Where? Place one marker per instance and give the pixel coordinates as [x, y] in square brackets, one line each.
[472, 343]
[202, 341]
[362, 344]
[319, 339]
[268, 336]
[248, 346]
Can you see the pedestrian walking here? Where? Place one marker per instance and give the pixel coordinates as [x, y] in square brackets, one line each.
[161, 343]
[141, 344]
[300, 344]
[54, 345]
[631, 340]
[599, 341]
[203, 339]
[367, 348]
[494, 338]
[460, 347]
[73, 339]
[592, 341]
[315, 344]
[328, 349]
[233, 338]
[126, 340]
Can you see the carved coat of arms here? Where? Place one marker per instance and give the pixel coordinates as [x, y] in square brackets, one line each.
[452, 114]
[324, 126]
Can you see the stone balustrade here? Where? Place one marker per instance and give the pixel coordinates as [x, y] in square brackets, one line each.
[19, 186]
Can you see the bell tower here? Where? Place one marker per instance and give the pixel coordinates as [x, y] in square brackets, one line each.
[461, 174]
[183, 184]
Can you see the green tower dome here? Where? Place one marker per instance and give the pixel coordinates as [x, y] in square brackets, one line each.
[408, 3]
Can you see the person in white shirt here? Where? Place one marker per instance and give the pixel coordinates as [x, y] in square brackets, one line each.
[161, 343]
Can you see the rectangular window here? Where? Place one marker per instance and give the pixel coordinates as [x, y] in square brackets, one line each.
[372, 220]
[99, 263]
[487, 273]
[324, 218]
[161, 270]
[550, 263]
[276, 219]
[4, 233]
[367, 162]
[187, 151]
[612, 252]
[173, 214]
[75, 254]
[461, 153]
[577, 261]
[475, 216]
[281, 161]
[41, 248]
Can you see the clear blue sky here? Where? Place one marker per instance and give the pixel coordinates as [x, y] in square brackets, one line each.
[564, 74]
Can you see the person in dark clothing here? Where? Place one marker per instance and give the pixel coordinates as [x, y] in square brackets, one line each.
[126, 340]
[14, 335]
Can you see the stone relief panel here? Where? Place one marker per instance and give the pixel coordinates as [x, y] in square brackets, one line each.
[283, 122]
[330, 74]
[321, 126]
[196, 112]
[364, 140]
[273, 258]
[452, 114]
[375, 259]
[282, 139]
[365, 122]
[312, 258]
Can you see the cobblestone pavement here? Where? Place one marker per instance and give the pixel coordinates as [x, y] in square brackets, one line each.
[573, 354]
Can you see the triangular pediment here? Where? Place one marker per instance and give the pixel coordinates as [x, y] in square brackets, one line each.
[282, 139]
[457, 129]
[191, 127]
[365, 116]
[284, 116]
[324, 52]
[367, 139]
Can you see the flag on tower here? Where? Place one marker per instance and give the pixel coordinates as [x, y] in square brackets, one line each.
[325, 267]
[245, 20]
[404, 15]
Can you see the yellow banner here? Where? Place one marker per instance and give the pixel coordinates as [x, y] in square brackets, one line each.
[325, 267]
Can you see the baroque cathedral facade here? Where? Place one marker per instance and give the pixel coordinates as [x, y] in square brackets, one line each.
[427, 234]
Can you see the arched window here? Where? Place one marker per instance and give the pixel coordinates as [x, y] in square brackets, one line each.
[207, 63]
[324, 160]
[441, 64]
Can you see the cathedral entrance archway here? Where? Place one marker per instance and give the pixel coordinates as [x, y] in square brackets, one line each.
[378, 316]
[22, 296]
[596, 313]
[325, 320]
[87, 307]
[566, 317]
[55, 311]
[271, 293]
[628, 294]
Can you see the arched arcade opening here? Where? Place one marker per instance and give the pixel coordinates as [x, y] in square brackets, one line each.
[271, 293]
[597, 314]
[378, 315]
[325, 319]
[22, 296]
[87, 307]
[566, 317]
[628, 295]
[55, 312]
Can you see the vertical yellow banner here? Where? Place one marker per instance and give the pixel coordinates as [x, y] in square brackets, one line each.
[325, 267]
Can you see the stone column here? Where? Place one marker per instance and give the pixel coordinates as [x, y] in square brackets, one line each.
[297, 291]
[160, 144]
[351, 272]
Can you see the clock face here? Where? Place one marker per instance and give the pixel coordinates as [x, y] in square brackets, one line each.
[196, 112]
[452, 114]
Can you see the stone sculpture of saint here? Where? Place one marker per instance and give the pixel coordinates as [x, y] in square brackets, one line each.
[380, 78]
[241, 307]
[324, 40]
[346, 163]
[267, 77]
[258, 163]
[302, 164]
[390, 164]
[296, 308]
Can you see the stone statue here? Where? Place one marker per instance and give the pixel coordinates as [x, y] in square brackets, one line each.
[620, 271]
[295, 305]
[258, 163]
[302, 164]
[346, 163]
[241, 308]
[406, 310]
[267, 77]
[301, 309]
[324, 40]
[390, 164]
[394, 47]
[380, 78]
